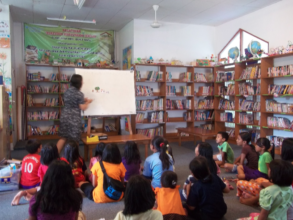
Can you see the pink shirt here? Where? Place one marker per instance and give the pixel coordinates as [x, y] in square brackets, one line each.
[42, 171]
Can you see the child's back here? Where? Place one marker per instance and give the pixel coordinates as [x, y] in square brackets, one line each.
[30, 165]
[131, 160]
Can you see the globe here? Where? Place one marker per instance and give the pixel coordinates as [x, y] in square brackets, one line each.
[253, 48]
[233, 53]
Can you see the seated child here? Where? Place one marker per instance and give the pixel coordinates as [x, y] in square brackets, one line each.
[72, 157]
[57, 198]
[275, 200]
[170, 153]
[226, 153]
[205, 200]
[49, 153]
[131, 160]
[158, 162]
[202, 149]
[168, 197]
[98, 156]
[30, 165]
[139, 201]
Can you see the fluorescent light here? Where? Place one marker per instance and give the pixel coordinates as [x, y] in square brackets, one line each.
[72, 20]
[79, 3]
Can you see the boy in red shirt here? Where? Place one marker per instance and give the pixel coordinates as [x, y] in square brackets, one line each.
[30, 165]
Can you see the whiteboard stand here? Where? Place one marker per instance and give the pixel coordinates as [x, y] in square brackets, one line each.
[90, 124]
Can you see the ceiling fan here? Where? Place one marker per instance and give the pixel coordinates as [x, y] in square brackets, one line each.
[155, 24]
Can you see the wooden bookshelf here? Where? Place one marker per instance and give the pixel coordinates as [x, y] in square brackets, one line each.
[56, 69]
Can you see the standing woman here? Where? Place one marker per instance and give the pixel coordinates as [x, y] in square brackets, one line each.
[70, 120]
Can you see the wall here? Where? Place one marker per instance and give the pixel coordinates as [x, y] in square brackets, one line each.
[184, 42]
[124, 38]
[272, 23]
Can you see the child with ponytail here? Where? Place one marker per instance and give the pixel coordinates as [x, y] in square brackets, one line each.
[158, 162]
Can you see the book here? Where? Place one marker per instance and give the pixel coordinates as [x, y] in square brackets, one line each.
[226, 104]
[225, 76]
[245, 118]
[226, 116]
[151, 132]
[144, 91]
[204, 90]
[206, 103]
[185, 77]
[171, 90]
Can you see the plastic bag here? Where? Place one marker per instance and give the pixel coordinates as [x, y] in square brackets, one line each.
[9, 178]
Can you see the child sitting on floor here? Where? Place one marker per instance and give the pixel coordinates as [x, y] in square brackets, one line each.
[49, 153]
[205, 200]
[158, 162]
[131, 160]
[72, 157]
[97, 158]
[30, 165]
[168, 197]
[275, 200]
[226, 153]
[57, 198]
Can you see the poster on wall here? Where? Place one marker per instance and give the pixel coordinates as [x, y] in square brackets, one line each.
[48, 44]
[127, 57]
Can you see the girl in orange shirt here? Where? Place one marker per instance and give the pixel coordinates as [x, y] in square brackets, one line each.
[168, 197]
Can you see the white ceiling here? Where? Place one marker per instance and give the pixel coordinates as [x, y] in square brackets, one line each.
[115, 14]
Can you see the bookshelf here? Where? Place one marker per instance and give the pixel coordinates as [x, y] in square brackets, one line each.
[40, 90]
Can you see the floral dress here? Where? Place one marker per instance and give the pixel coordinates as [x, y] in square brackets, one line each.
[70, 120]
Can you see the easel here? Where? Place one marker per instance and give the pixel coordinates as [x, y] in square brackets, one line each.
[88, 133]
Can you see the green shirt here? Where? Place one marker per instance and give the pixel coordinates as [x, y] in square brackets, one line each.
[263, 160]
[226, 148]
[276, 200]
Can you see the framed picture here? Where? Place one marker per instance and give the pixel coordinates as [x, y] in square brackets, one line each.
[127, 58]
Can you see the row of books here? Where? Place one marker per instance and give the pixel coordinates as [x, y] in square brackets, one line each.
[286, 70]
[35, 77]
[185, 77]
[64, 87]
[249, 89]
[153, 117]
[280, 89]
[42, 89]
[151, 132]
[227, 117]
[226, 104]
[205, 115]
[251, 73]
[109, 127]
[249, 105]
[149, 104]
[203, 77]
[171, 90]
[65, 78]
[205, 90]
[42, 115]
[276, 140]
[144, 91]
[226, 90]
[279, 122]
[184, 90]
[53, 77]
[33, 130]
[206, 103]
[274, 106]
[178, 104]
[154, 76]
[225, 76]
[51, 102]
[139, 117]
[246, 118]
[187, 116]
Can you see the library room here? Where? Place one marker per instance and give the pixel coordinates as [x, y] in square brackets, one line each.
[190, 115]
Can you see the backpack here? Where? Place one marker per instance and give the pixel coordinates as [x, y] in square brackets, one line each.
[112, 188]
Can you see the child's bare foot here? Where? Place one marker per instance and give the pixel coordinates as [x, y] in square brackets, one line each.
[17, 197]
[28, 197]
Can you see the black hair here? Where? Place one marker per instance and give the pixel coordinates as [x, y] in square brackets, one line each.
[71, 152]
[264, 142]
[287, 149]
[131, 153]
[200, 170]
[111, 154]
[32, 146]
[206, 150]
[99, 149]
[76, 81]
[58, 194]
[224, 135]
[246, 136]
[281, 172]
[169, 179]
[49, 153]
[139, 196]
[161, 146]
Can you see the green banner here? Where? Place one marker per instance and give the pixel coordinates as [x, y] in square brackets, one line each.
[58, 43]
